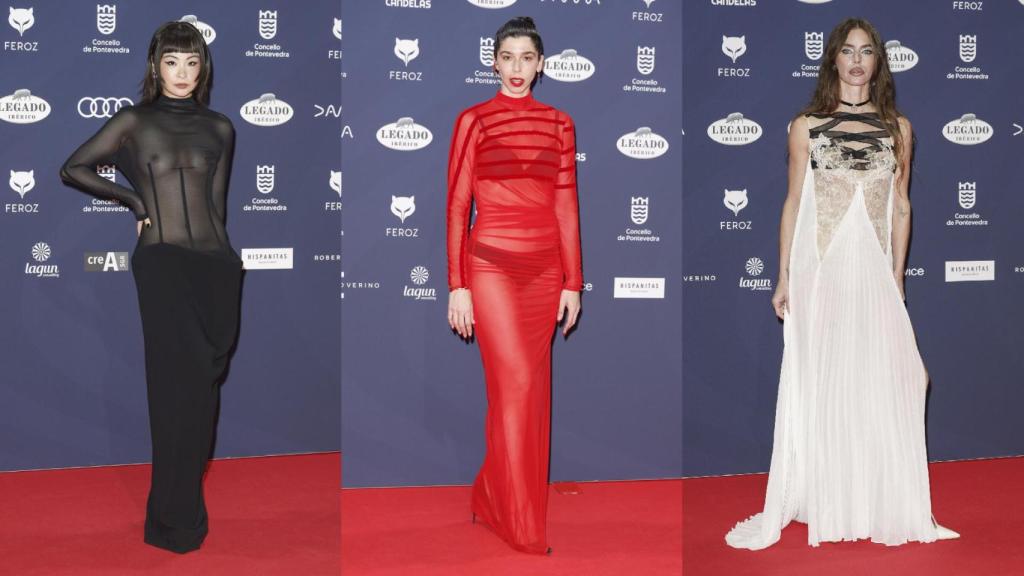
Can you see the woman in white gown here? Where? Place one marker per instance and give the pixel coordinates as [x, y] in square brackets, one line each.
[849, 456]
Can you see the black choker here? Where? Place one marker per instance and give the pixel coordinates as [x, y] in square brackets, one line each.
[868, 101]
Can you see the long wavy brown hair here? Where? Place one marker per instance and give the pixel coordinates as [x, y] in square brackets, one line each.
[183, 37]
[882, 90]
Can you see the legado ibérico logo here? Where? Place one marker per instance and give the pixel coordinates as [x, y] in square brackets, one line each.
[568, 66]
[267, 110]
[23, 108]
[900, 57]
[734, 130]
[492, 3]
[404, 134]
[642, 144]
[209, 34]
[967, 130]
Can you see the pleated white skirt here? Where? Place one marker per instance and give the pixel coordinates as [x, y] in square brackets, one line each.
[849, 456]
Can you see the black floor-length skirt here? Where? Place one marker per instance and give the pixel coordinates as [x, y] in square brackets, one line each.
[189, 302]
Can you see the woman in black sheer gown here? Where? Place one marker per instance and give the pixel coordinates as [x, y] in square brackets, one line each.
[176, 154]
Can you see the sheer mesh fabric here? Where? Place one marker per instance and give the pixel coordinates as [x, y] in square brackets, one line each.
[176, 154]
[516, 158]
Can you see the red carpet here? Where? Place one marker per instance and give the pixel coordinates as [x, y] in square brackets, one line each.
[980, 499]
[610, 528]
[268, 516]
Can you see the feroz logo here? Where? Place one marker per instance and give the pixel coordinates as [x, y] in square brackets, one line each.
[814, 44]
[568, 66]
[968, 47]
[638, 209]
[966, 194]
[265, 178]
[639, 288]
[20, 19]
[734, 46]
[209, 34]
[645, 59]
[101, 107]
[647, 3]
[492, 3]
[106, 18]
[967, 130]
[642, 144]
[900, 57]
[23, 108]
[734, 130]
[335, 182]
[267, 110]
[337, 28]
[268, 24]
[487, 51]
[403, 206]
[106, 261]
[404, 134]
[407, 50]
[22, 181]
[970, 270]
[735, 200]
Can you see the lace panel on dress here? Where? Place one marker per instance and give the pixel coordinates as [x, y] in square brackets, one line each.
[849, 151]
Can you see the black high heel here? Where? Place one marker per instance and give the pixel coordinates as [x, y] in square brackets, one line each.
[548, 552]
[474, 517]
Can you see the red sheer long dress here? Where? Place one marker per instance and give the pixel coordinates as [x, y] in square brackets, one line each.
[516, 157]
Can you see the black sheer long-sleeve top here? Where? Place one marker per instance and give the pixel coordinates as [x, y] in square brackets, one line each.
[176, 154]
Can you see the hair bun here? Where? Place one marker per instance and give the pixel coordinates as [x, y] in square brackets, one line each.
[526, 21]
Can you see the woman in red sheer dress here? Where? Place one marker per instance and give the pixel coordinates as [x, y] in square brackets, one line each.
[515, 276]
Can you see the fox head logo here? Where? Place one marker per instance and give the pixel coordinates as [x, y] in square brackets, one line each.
[735, 200]
[734, 46]
[335, 181]
[22, 182]
[403, 206]
[21, 19]
[407, 50]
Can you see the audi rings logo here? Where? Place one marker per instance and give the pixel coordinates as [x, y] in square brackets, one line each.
[89, 107]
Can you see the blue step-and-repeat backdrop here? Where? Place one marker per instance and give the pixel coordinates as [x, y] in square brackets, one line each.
[749, 67]
[72, 387]
[413, 395]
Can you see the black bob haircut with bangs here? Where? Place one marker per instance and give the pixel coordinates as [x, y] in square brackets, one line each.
[176, 36]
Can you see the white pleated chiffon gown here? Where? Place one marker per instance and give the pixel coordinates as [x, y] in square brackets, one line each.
[849, 456]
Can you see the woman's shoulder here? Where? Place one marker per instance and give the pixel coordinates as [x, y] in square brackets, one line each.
[221, 121]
